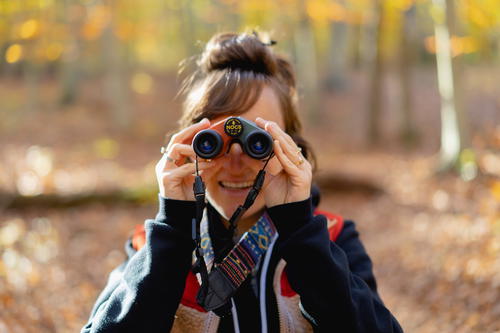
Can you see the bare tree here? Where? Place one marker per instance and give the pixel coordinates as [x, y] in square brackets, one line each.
[305, 51]
[376, 78]
[407, 52]
[116, 79]
[71, 71]
[453, 134]
[338, 55]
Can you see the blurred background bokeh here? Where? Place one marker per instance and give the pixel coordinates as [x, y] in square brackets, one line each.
[400, 98]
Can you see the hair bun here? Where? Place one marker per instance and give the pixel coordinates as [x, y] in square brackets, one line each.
[243, 52]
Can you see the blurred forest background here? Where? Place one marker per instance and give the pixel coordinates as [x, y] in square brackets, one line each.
[400, 98]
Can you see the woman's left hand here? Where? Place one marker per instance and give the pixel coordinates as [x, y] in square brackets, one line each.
[292, 180]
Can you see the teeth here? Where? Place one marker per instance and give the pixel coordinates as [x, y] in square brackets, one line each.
[236, 185]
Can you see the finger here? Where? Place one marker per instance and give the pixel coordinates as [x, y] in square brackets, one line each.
[188, 132]
[276, 132]
[165, 163]
[289, 147]
[285, 161]
[180, 151]
[293, 153]
[274, 166]
[175, 175]
[161, 165]
[214, 166]
[287, 144]
[260, 122]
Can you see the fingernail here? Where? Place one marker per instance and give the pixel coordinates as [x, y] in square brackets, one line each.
[205, 120]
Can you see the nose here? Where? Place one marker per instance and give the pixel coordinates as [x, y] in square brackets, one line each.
[235, 155]
[235, 150]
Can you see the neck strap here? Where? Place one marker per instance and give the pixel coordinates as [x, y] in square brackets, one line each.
[226, 277]
[200, 265]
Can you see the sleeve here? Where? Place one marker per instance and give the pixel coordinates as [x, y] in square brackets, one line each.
[335, 280]
[144, 292]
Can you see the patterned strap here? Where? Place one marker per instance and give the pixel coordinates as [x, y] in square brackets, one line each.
[244, 256]
[335, 226]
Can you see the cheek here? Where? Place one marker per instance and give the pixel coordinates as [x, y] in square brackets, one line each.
[211, 173]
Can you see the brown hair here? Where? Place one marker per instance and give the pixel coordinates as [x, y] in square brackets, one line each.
[231, 73]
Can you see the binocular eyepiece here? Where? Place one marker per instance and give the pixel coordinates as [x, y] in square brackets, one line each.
[217, 139]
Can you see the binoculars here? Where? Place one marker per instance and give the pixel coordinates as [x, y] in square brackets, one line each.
[217, 140]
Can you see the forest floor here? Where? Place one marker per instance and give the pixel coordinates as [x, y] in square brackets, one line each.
[434, 238]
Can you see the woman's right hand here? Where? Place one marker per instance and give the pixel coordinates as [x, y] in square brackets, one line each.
[174, 171]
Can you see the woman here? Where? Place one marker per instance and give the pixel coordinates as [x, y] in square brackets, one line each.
[312, 273]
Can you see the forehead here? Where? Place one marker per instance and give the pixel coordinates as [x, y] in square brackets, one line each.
[266, 107]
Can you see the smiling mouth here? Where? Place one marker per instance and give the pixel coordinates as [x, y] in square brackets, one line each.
[236, 185]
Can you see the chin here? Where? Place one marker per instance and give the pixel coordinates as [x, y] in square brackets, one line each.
[226, 211]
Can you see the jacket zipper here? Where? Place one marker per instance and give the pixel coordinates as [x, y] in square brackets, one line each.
[234, 312]
[283, 322]
[263, 289]
[211, 323]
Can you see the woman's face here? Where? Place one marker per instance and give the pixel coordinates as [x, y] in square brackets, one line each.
[233, 174]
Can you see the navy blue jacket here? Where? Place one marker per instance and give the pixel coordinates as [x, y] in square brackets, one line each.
[335, 280]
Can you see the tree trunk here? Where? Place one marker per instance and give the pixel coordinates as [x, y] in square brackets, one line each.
[116, 80]
[70, 71]
[188, 28]
[32, 76]
[305, 52]
[376, 80]
[337, 59]
[452, 124]
[408, 132]
[354, 53]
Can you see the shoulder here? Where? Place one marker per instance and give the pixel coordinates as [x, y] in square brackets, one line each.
[349, 233]
[346, 236]
[360, 262]
[138, 238]
[335, 223]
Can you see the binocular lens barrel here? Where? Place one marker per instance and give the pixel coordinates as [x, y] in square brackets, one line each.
[258, 145]
[207, 144]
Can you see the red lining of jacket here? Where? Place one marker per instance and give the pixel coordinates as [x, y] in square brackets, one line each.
[191, 289]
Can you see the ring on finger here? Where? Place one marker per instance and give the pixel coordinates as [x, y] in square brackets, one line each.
[300, 161]
[163, 150]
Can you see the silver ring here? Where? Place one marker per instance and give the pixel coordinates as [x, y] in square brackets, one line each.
[163, 150]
